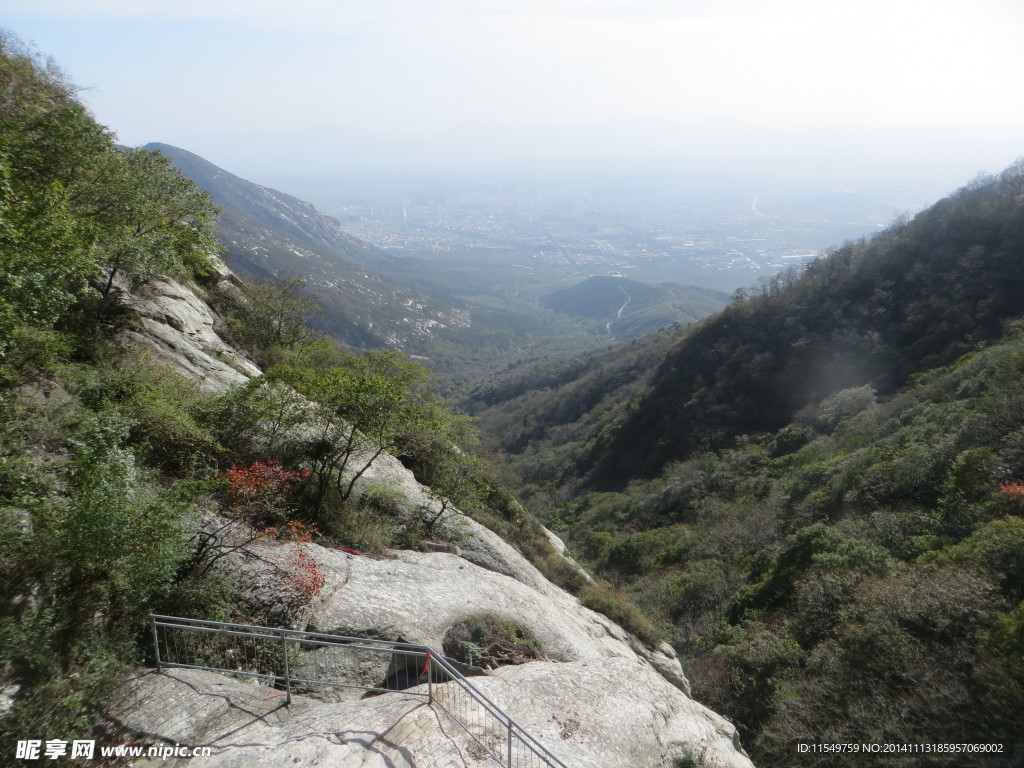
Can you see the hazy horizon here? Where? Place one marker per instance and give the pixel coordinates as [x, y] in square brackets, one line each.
[895, 92]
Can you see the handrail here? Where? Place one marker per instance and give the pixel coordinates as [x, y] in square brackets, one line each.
[512, 726]
[511, 746]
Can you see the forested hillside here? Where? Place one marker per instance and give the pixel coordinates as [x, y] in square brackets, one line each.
[540, 418]
[874, 312]
[818, 493]
[93, 502]
[119, 473]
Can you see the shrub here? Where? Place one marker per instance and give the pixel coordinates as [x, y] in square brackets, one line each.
[490, 641]
[270, 321]
[560, 571]
[1014, 491]
[165, 409]
[305, 577]
[691, 758]
[842, 405]
[996, 549]
[118, 524]
[259, 492]
[92, 558]
[600, 598]
[358, 523]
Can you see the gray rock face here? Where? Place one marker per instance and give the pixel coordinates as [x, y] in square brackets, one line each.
[178, 329]
[476, 543]
[248, 725]
[484, 548]
[592, 699]
[613, 714]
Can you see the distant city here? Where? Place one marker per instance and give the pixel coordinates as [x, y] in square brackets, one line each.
[721, 233]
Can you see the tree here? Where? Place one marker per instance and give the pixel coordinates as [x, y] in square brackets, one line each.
[47, 141]
[73, 203]
[42, 125]
[272, 318]
[153, 219]
[458, 480]
[45, 261]
[356, 413]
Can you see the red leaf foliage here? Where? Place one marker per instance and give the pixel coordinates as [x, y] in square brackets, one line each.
[1013, 490]
[260, 481]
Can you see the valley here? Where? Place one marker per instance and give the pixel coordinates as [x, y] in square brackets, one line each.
[477, 273]
[688, 469]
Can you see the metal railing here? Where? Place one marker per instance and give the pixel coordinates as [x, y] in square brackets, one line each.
[376, 666]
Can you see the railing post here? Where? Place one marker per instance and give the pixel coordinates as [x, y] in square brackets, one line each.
[156, 641]
[287, 675]
[430, 678]
[509, 742]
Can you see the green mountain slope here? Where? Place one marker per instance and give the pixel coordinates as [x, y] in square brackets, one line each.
[268, 234]
[541, 416]
[630, 309]
[873, 312]
[818, 493]
[857, 575]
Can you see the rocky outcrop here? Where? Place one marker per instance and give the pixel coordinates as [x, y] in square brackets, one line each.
[416, 597]
[474, 542]
[596, 697]
[483, 548]
[177, 328]
[614, 714]
[591, 699]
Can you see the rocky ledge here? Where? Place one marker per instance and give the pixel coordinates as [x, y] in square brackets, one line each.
[596, 696]
[177, 328]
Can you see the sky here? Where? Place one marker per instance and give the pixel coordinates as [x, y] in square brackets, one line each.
[258, 86]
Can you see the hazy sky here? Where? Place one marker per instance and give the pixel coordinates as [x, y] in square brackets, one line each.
[266, 83]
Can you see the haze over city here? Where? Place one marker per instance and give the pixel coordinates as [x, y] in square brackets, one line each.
[899, 89]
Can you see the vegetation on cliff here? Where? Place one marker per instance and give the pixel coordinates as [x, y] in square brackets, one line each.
[111, 465]
[92, 533]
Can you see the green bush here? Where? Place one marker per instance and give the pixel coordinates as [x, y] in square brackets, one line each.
[692, 757]
[270, 321]
[619, 609]
[63, 689]
[995, 549]
[87, 564]
[487, 640]
[359, 523]
[166, 412]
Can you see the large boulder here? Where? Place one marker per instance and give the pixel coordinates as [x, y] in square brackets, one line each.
[612, 714]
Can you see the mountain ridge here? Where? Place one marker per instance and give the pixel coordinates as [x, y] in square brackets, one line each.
[916, 296]
[271, 235]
